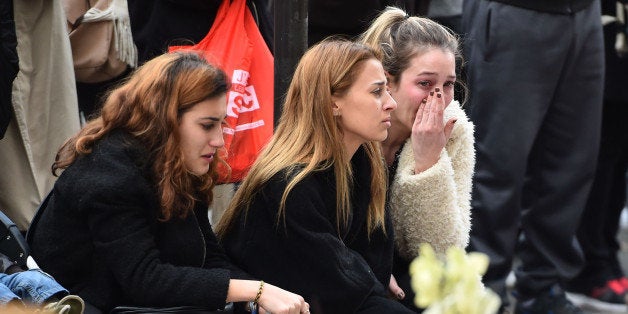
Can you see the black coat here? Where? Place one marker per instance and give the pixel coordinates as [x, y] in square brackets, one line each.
[100, 237]
[335, 273]
[8, 63]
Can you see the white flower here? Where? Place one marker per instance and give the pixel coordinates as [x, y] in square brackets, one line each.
[453, 286]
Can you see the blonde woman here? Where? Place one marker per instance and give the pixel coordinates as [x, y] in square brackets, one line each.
[310, 214]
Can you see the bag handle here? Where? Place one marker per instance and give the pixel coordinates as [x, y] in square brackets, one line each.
[227, 7]
[74, 15]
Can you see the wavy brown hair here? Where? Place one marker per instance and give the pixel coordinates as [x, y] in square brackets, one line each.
[148, 105]
[308, 138]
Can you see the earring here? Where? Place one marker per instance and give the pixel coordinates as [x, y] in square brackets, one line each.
[336, 113]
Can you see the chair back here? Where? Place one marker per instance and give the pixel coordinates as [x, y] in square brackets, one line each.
[12, 242]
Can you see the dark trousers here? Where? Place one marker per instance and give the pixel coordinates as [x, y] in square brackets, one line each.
[535, 84]
[597, 233]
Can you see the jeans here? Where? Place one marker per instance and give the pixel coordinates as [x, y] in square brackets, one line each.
[32, 286]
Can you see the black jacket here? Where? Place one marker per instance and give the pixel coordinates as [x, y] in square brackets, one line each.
[158, 24]
[335, 273]
[550, 6]
[8, 63]
[100, 237]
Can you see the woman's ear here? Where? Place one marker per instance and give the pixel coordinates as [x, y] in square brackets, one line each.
[336, 104]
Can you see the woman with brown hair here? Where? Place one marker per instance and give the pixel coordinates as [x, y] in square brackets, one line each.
[126, 222]
[429, 150]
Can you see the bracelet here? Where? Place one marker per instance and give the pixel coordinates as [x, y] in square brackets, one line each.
[259, 292]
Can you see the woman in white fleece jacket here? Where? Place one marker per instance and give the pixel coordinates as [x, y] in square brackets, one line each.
[429, 149]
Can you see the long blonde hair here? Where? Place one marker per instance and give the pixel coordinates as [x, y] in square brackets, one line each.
[148, 105]
[308, 138]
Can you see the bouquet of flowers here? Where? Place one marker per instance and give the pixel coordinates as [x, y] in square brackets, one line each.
[452, 286]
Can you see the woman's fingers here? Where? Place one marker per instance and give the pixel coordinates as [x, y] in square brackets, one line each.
[430, 112]
[279, 301]
[449, 126]
[425, 110]
[305, 308]
[420, 112]
[439, 107]
[394, 289]
[429, 109]
[430, 134]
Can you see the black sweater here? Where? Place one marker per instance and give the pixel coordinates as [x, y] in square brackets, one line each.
[335, 273]
[100, 237]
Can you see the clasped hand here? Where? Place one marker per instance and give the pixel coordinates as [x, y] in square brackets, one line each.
[278, 301]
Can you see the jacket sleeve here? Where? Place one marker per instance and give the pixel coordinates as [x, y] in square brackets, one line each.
[216, 256]
[118, 215]
[434, 206]
[305, 254]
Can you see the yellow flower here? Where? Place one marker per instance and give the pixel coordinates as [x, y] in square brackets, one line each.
[452, 286]
[427, 273]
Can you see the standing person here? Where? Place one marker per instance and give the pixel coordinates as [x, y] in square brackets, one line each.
[126, 223]
[447, 13]
[350, 17]
[429, 148]
[313, 203]
[535, 99]
[602, 284]
[43, 110]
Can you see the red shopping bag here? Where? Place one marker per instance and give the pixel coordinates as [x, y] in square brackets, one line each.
[235, 44]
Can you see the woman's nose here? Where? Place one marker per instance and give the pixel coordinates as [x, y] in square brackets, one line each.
[217, 140]
[391, 104]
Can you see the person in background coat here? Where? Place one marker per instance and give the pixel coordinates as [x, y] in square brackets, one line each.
[41, 108]
[602, 284]
[535, 98]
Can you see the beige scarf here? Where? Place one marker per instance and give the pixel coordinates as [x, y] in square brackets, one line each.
[119, 13]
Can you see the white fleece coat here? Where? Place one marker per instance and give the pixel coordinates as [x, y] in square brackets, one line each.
[434, 206]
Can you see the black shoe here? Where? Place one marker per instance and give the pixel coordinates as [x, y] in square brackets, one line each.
[610, 298]
[551, 302]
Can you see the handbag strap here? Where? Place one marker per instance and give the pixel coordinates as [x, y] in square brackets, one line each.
[33, 226]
